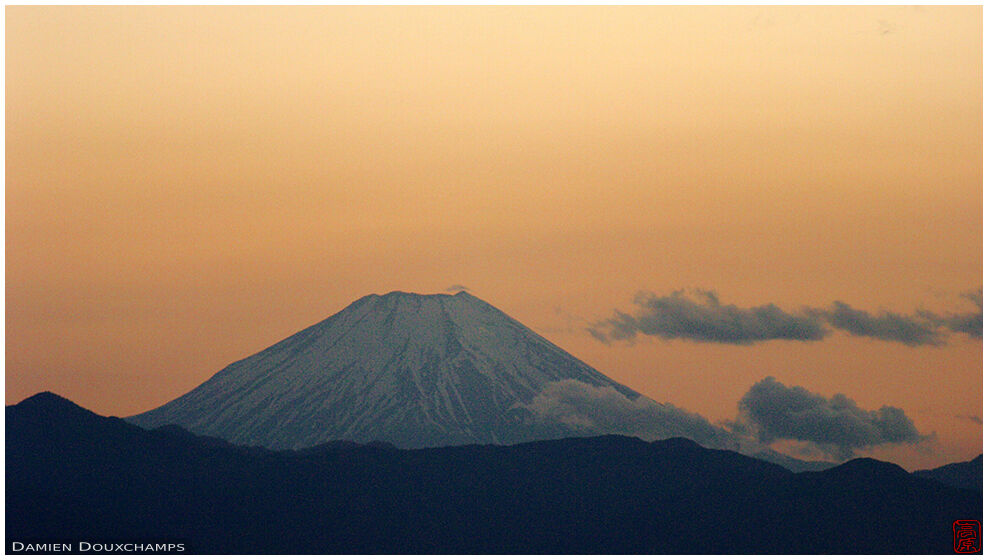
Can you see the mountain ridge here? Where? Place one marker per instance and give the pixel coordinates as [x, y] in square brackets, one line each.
[104, 480]
[963, 474]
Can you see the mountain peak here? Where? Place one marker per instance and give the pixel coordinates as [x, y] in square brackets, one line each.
[411, 297]
[418, 303]
[414, 295]
[868, 467]
[45, 397]
[48, 413]
[51, 403]
[410, 369]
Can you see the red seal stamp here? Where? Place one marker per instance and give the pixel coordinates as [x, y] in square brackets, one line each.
[967, 536]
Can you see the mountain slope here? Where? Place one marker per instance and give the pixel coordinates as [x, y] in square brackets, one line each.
[412, 370]
[968, 474]
[72, 475]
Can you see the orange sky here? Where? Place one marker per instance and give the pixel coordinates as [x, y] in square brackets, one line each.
[187, 185]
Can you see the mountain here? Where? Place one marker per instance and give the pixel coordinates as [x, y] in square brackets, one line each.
[967, 475]
[73, 476]
[412, 370]
[791, 463]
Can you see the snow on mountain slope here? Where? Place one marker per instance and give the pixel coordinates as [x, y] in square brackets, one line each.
[413, 370]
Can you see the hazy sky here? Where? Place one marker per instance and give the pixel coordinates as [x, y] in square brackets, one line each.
[188, 185]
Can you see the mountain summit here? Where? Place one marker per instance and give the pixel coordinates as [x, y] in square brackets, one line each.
[413, 370]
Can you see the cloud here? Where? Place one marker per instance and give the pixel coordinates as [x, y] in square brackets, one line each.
[911, 331]
[705, 319]
[457, 288]
[768, 412]
[966, 323]
[604, 410]
[701, 317]
[975, 419]
[773, 411]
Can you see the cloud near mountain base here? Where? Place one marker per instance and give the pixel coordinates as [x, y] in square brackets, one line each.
[772, 411]
[604, 410]
[769, 411]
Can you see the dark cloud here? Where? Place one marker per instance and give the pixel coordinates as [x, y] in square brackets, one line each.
[701, 317]
[769, 411]
[773, 411]
[966, 323]
[911, 331]
[975, 419]
[604, 410]
[705, 319]
[975, 297]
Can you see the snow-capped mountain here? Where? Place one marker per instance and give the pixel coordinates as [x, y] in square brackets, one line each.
[413, 370]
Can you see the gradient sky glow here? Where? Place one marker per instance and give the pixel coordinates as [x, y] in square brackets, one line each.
[188, 185]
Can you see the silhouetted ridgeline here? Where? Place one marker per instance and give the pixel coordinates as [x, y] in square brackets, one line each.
[968, 474]
[75, 476]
